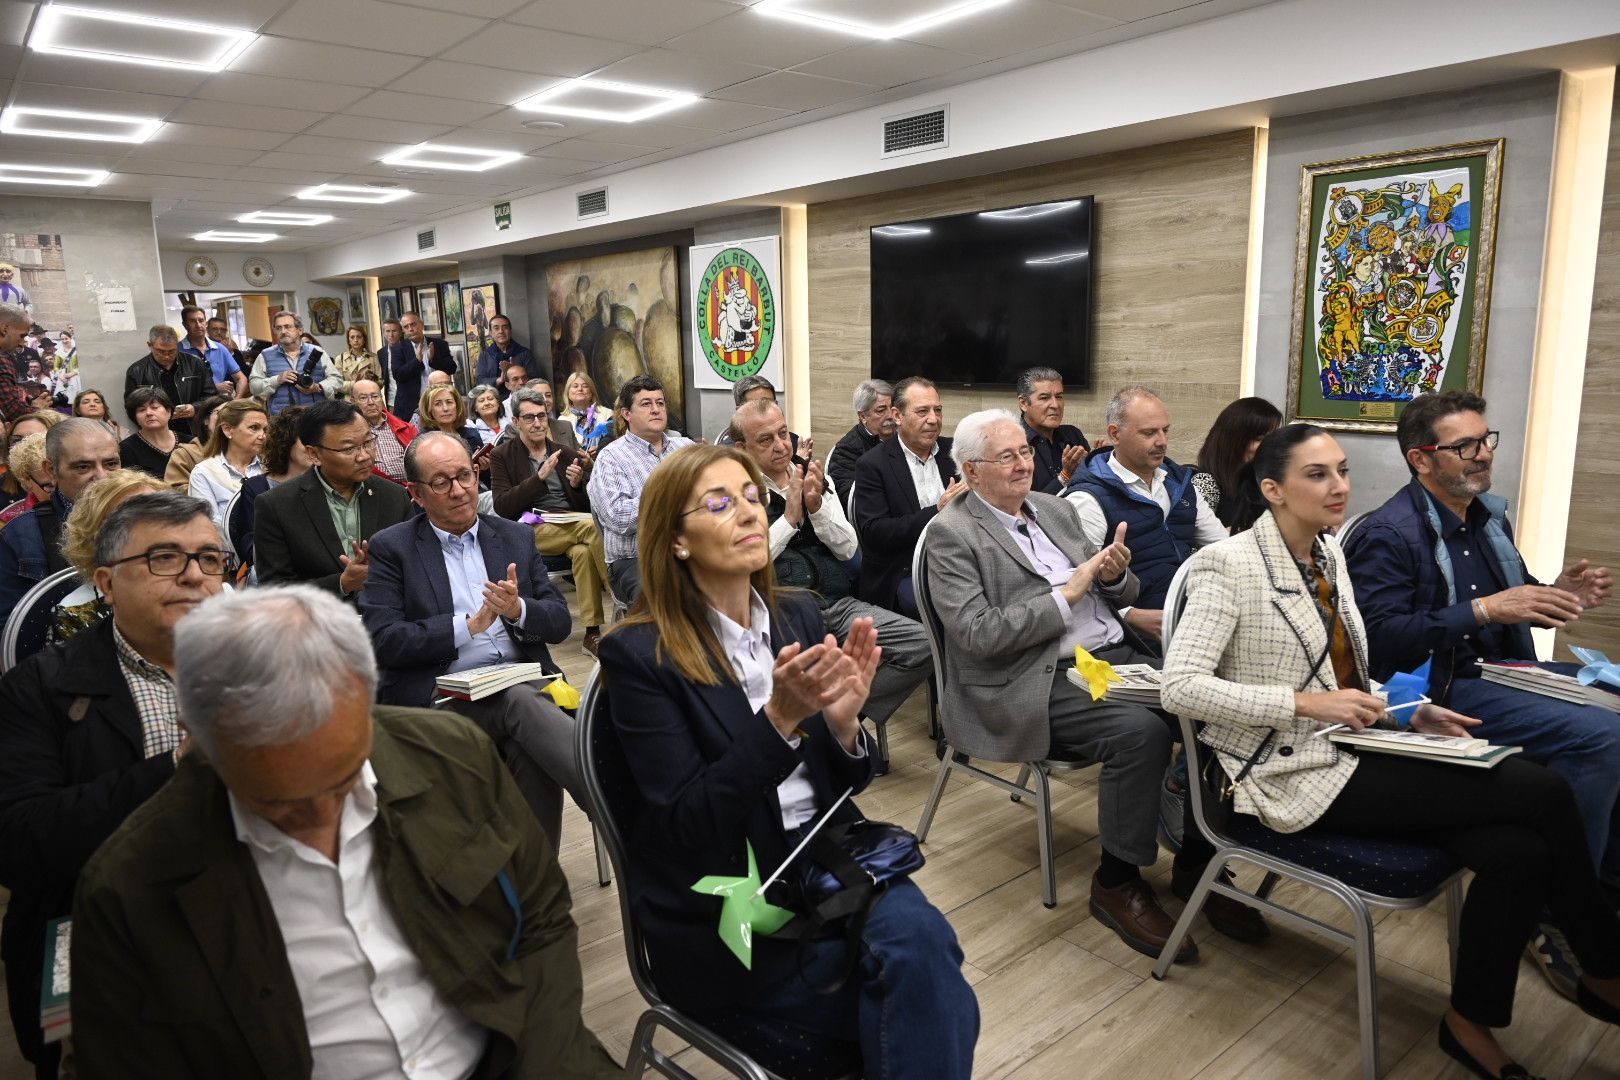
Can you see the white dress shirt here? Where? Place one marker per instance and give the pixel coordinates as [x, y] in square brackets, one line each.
[924, 475]
[831, 524]
[1091, 625]
[749, 649]
[369, 1007]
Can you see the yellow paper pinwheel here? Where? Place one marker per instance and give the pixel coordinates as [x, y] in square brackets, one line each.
[1097, 673]
[564, 695]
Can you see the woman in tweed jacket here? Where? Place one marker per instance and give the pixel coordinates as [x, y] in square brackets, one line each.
[1270, 647]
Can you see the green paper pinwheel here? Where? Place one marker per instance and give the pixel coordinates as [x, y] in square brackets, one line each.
[745, 911]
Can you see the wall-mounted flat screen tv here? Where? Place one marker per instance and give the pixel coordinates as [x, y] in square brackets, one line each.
[973, 299]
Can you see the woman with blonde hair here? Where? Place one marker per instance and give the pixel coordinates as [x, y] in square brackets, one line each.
[357, 361]
[25, 464]
[82, 607]
[443, 409]
[738, 718]
[593, 422]
[231, 454]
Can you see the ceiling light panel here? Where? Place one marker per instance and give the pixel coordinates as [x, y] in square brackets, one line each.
[93, 34]
[279, 217]
[354, 193]
[842, 15]
[52, 175]
[78, 124]
[226, 236]
[600, 99]
[454, 158]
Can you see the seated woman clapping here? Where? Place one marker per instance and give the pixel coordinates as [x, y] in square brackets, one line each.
[738, 715]
[1271, 647]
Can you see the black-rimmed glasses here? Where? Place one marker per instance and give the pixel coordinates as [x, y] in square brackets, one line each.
[171, 562]
[1467, 449]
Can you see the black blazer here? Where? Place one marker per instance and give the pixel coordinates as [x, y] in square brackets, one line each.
[71, 770]
[516, 490]
[410, 614]
[293, 536]
[706, 767]
[889, 518]
[407, 370]
[846, 452]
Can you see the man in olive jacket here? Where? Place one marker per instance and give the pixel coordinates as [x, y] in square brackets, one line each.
[365, 894]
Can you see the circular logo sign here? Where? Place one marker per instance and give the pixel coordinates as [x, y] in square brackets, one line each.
[736, 314]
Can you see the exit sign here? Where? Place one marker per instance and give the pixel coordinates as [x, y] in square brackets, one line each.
[503, 215]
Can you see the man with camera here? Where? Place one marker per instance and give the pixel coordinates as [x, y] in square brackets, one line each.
[292, 372]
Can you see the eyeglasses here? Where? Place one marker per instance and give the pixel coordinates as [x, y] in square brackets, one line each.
[1467, 449]
[721, 504]
[358, 450]
[439, 485]
[530, 417]
[1010, 458]
[169, 562]
[367, 398]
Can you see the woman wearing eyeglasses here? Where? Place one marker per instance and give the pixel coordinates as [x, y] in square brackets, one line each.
[1271, 649]
[738, 717]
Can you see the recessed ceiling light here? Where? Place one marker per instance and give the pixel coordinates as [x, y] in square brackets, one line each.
[1021, 213]
[281, 217]
[225, 236]
[92, 34]
[544, 125]
[803, 11]
[454, 158]
[657, 102]
[354, 193]
[898, 231]
[52, 175]
[78, 124]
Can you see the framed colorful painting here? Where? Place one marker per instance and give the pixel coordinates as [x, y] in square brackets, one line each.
[479, 304]
[1392, 282]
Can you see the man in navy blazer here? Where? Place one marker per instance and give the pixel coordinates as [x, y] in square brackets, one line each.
[408, 359]
[900, 484]
[454, 589]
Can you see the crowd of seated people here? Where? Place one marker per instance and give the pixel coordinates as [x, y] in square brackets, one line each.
[190, 731]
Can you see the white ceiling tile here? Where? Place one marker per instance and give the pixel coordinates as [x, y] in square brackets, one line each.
[667, 69]
[648, 133]
[1129, 10]
[287, 58]
[791, 90]
[14, 21]
[313, 163]
[512, 121]
[48, 96]
[369, 128]
[486, 9]
[251, 117]
[341, 150]
[1037, 23]
[245, 89]
[242, 14]
[888, 63]
[172, 134]
[474, 82]
[296, 178]
[178, 168]
[35, 151]
[41, 67]
[713, 115]
[154, 153]
[414, 30]
[647, 22]
[391, 105]
[541, 52]
[759, 39]
[11, 58]
[597, 153]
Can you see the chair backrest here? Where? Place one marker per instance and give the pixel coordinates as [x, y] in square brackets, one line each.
[1351, 524]
[1175, 603]
[29, 624]
[849, 509]
[239, 525]
[610, 796]
[931, 624]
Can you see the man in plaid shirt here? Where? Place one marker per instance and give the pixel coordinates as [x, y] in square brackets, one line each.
[14, 326]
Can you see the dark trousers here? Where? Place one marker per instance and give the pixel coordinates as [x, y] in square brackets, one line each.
[624, 578]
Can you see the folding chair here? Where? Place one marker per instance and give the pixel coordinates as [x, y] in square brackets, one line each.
[29, 624]
[1367, 872]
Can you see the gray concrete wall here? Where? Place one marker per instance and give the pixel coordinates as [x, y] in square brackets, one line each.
[105, 244]
[1523, 113]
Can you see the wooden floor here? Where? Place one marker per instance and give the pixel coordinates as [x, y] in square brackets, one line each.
[1060, 996]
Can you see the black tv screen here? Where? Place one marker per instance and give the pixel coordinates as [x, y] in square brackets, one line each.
[973, 299]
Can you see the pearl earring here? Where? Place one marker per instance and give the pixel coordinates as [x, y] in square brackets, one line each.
[681, 553]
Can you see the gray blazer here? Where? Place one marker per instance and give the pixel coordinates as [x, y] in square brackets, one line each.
[1002, 630]
[1244, 645]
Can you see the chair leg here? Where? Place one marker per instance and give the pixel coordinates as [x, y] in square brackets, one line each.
[635, 1063]
[1267, 883]
[946, 764]
[604, 866]
[883, 744]
[1043, 827]
[1366, 987]
[1195, 904]
[933, 711]
[1022, 781]
[1454, 904]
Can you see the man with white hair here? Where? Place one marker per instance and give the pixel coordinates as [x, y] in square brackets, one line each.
[78, 452]
[324, 888]
[1017, 585]
[15, 322]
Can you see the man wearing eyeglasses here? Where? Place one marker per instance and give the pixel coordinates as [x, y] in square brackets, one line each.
[316, 527]
[1438, 579]
[454, 590]
[89, 728]
[393, 435]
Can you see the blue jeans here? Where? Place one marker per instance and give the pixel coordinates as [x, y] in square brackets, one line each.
[1581, 743]
[905, 1012]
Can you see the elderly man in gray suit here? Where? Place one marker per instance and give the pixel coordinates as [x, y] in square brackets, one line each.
[1017, 586]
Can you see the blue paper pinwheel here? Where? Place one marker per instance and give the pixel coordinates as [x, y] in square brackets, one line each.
[1406, 690]
[1598, 668]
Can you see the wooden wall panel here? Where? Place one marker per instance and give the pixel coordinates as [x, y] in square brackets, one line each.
[1594, 519]
[1172, 231]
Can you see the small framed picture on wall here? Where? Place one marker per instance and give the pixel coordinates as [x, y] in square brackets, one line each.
[479, 304]
[407, 299]
[387, 305]
[450, 308]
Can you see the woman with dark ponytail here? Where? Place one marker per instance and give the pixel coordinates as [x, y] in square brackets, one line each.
[1271, 647]
[1231, 444]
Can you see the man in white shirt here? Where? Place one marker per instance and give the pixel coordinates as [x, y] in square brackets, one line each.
[1134, 481]
[324, 890]
[811, 539]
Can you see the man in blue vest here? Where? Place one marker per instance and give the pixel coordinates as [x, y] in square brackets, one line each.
[292, 372]
[1438, 579]
[1135, 482]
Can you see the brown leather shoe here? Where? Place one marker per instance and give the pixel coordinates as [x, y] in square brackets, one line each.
[592, 636]
[1133, 912]
[1240, 922]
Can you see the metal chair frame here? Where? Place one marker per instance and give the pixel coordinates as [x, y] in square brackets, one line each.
[953, 761]
[1350, 525]
[1357, 902]
[52, 587]
[659, 1014]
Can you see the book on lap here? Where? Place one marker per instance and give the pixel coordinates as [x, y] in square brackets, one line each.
[475, 684]
[1455, 749]
[1139, 684]
[1549, 679]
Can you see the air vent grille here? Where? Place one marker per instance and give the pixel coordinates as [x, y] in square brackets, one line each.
[592, 203]
[914, 132]
[427, 240]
